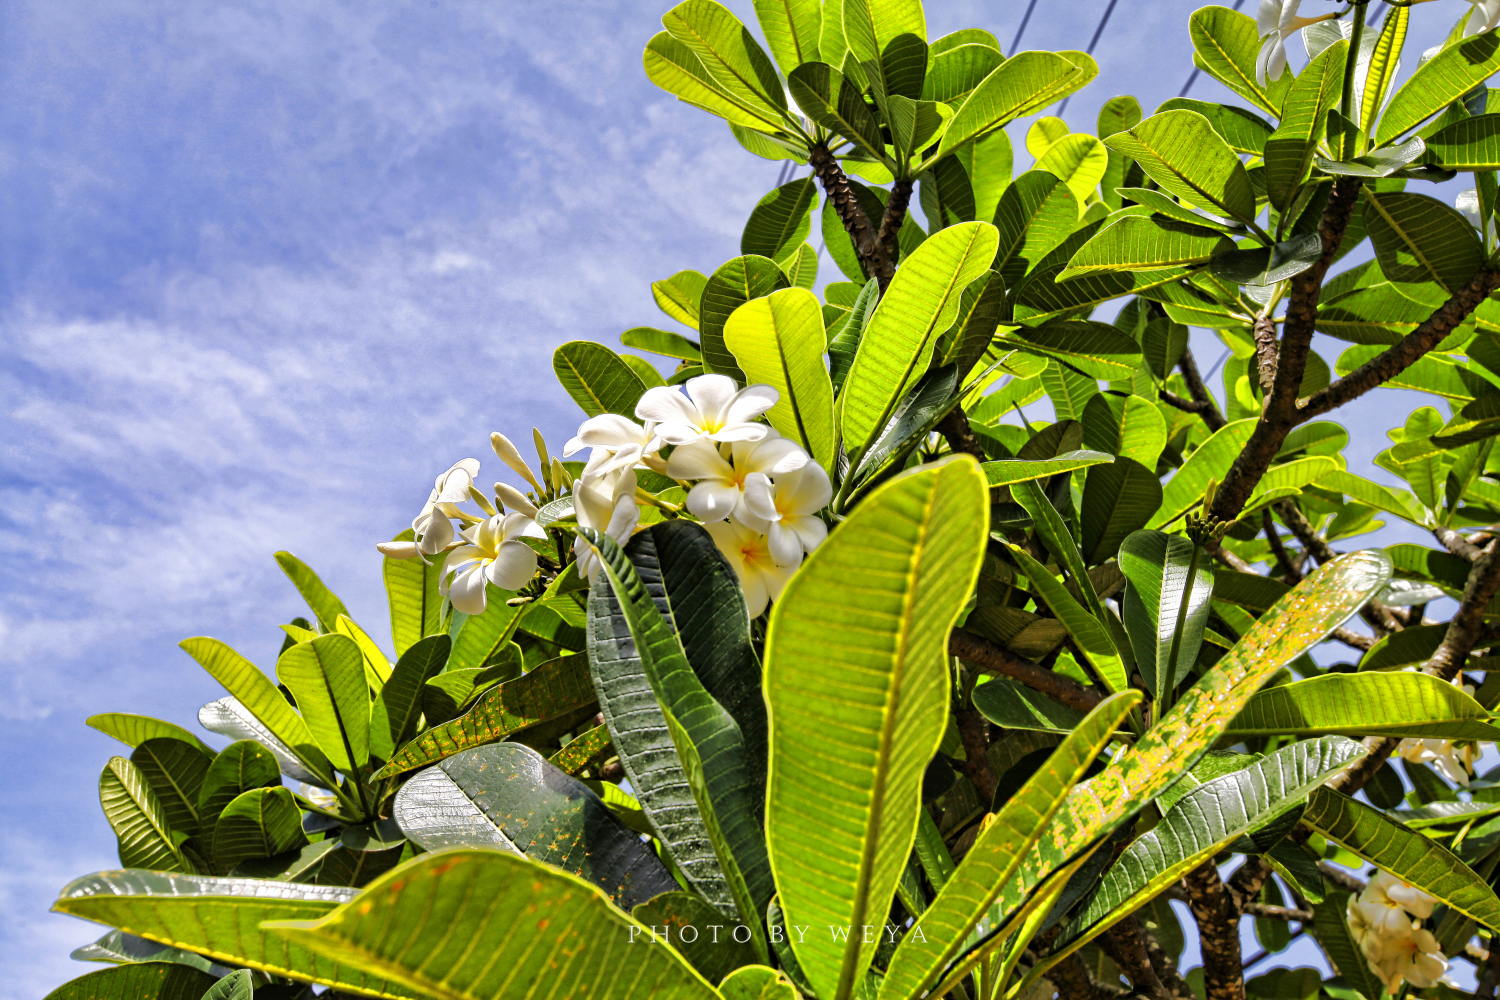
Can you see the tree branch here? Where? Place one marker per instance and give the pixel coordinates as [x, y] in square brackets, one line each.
[890, 226]
[867, 245]
[1074, 981]
[1278, 912]
[1125, 945]
[993, 657]
[1188, 366]
[1289, 569]
[1265, 353]
[973, 733]
[1218, 933]
[1456, 543]
[955, 430]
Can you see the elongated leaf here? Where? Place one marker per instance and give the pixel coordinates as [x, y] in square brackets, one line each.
[913, 419]
[1419, 239]
[228, 717]
[1181, 151]
[377, 666]
[175, 771]
[1003, 844]
[1226, 44]
[1034, 216]
[687, 922]
[220, 918]
[779, 340]
[1406, 854]
[1244, 131]
[1009, 471]
[1132, 428]
[554, 689]
[708, 741]
[911, 551]
[920, 304]
[118, 948]
[757, 982]
[1432, 373]
[314, 591]
[579, 753]
[455, 913]
[1210, 462]
[1468, 144]
[482, 636]
[835, 103]
[1096, 349]
[780, 221]
[1206, 820]
[394, 714]
[1330, 918]
[1118, 498]
[1078, 160]
[254, 692]
[1413, 645]
[133, 730]
[1380, 72]
[597, 379]
[1142, 243]
[1304, 112]
[1090, 635]
[1438, 82]
[1166, 606]
[1012, 706]
[664, 342]
[259, 823]
[1404, 705]
[241, 767]
[730, 287]
[139, 981]
[411, 587]
[791, 28]
[1008, 93]
[674, 67]
[678, 296]
[134, 812]
[326, 676]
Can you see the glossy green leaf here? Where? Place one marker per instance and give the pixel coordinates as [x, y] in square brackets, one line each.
[1244, 131]
[757, 982]
[1034, 216]
[220, 918]
[678, 296]
[1406, 854]
[779, 340]
[554, 689]
[1412, 646]
[146, 839]
[118, 948]
[483, 636]
[259, 823]
[856, 687]
[999, 853]
[1146, 243]
[1181, 151]
[1131, 427]
[1380, 71]
[669, 913]
[377, 666]
[1166, 606]
[966, 342]
[1211, 461]
[1056, 535]
[133, 730]
[455, 913]
[791, 28]
[1419, 239]
[411, 587]
[673, 66]
[175, 771]
[1380, 163]
[1431, 373]
[1026, 82]
[1118, 498]
[1205, 821]
[663, 342]
[238, 985]
[1078, 160]
[393, 716]
[728, 52]
[589, 747]
[1096, 349]
[1268, 265]
[780, 221]
[1438, 82]
[239, 768]
[1226, 44]
[1006, 472]
[911, 421]
[1369, 703]
[326, 676]
[139, 981]
[835, 103]
[323, 602]
[1086, 631]
[920, 304]
[1010, 705]
[597, 379]
[1304, 112]
[730, 287]
[228, 717]
[952, 74]
[1468, 144]
[843, 346]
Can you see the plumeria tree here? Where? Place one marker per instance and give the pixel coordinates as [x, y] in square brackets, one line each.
[819, 668]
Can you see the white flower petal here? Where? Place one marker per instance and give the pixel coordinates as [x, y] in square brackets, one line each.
[513, 567]
[467, 591]
[397, 550]
[515, 499]
[760, 497]
[741, 432]
[811, 531]
[712, 395]
[750, 402]
[698, 460]
[610, 430]
[785, 546]
[712, 500]
[666, 405]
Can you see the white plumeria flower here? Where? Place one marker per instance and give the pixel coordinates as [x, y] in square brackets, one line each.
[720, 488]
[748, 551]
[711, 409]
[1276, 21]
[618, 443]
[496, 554]
[1452, 761]
[605, 503]
[433, 527]
[1484, 17]
[1414, 957]
[790, 507]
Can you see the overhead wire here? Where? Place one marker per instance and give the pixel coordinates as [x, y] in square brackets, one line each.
[1090, 50]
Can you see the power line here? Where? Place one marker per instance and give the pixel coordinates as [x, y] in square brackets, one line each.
[1193, 78]
[1090, 50]
[1016, 42]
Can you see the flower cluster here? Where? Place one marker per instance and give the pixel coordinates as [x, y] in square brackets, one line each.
[1385, 919]
[1453, 760]
[757, 493]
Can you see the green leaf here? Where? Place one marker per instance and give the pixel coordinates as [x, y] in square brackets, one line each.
[678, 296]
[1003, 845]
[1406, 854]
[1211, 461]
[1438, 82]
[1131, 427]
[482, 636]
[1118, 498]
[674, 67]
[1380, 163]
[1226, 44]
[393, 716]
[1205, 821]
[757, 982]
[836, 104]
[175, 770]
[801, 267]
[791, 28]
[1384, 62]
[220, 918]
[119, 948]
[1268, 265]
[455, 911]
[554, 689]
[1035, 216]
[1244, 131]
[1432, 373]
[843, 346]
[1146, 243]
[1369, 703]
[644, 370]
[241, 766]
[729, 53]
[319, 598]
[1304, 112]
[140, 981]
[582, 751]
[1181, 151]
[779, 340]
[730, 287]
[1468, 144]
[911, 421]
[259, 823]
[507, 797]
[1087, 632]
[377, 667]
[708, 741]
[1078, 160]
[133, 730]
[140, 824]
[966, 341]
[236, 986]
[597, 379]
[952, 74]
[326, 676]
[411, 587]
[1026, 82]
[1162, 204]
[670, 912]
[1166, 606]
[780, 221]
[920, 304]
[228, 717]
[663, 342]
[1419, 239]
[1014, 706]
[1096, 349]
[856, 687]
[1413, 645]
[1009, 471]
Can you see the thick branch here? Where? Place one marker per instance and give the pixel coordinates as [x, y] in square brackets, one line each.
[1344, 880]
[1166, 969]
[973, 733]
[1265, 353]
[890, 226]
[1467, 627]
[1125, 944]
[955, 430]
[1289, 570]
[857, 224]
[1353, 639]
[1278, 912]
[1456, 543]
[1209, 411]
[1073, 980]
[1218, 933]
[993, 657]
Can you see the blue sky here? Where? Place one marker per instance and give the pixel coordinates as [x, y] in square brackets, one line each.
[267, 268]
